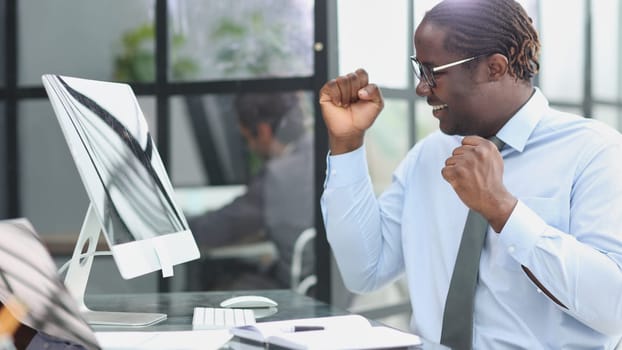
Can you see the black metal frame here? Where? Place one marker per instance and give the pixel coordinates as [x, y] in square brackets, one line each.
[9, 94]
[163, 90]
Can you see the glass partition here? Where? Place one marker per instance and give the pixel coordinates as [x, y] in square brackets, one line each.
[606, 50]
[222, 40]
[47, 172]
[563, 43]
[386, 60]
[207, 147]
[387, 142]
[243, 168]
[105, 40]
[609, 115]
[425, 122]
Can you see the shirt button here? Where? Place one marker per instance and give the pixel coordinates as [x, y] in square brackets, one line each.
[539, 290]
[511, 249]
[333, 172]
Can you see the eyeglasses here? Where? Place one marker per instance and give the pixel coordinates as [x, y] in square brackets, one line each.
[425, 73]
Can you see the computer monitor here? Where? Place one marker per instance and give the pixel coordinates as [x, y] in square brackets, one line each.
[131, 198]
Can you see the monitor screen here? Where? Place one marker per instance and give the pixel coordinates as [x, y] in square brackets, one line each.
[121, 170]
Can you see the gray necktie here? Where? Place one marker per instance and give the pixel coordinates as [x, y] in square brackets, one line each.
[27, 272]
[457, 332]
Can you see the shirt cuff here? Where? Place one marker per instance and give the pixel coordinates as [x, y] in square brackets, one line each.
[346, 169]
[521, 232]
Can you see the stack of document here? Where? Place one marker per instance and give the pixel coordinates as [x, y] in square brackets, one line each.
[326, 333]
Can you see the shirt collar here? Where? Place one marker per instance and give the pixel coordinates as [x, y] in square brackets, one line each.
[517, 130]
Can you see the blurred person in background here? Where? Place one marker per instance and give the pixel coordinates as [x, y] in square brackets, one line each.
[278, 203]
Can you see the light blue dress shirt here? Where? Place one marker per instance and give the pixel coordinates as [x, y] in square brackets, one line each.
[566, 172]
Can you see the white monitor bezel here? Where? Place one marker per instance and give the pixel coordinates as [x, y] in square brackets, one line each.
[134, 258]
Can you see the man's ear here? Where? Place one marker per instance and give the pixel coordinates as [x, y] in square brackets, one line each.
[498, 66]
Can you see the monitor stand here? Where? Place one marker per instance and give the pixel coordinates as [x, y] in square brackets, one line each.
[78, 275]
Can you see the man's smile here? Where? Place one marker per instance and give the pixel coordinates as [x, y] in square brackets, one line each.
[439, 107]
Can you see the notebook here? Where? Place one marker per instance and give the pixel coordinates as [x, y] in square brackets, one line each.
[326, 333]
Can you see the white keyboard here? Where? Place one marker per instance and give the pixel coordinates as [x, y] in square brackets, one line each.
[219, 318]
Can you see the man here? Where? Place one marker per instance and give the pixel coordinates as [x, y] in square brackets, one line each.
[279, 199]
[549, 275]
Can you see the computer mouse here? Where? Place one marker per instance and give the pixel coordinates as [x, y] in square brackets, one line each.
[248, 301]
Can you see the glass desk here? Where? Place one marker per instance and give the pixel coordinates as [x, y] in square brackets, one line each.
[179, 307]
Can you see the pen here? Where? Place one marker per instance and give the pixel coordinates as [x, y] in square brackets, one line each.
[304, 328]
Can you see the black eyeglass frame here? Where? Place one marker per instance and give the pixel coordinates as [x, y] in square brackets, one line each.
[426, 74]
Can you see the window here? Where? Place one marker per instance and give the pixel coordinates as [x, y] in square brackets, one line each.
[87, 39]
[563, 41]
[224, 40]
[185, 59]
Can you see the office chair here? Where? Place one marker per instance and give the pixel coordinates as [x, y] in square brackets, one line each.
[301, 286]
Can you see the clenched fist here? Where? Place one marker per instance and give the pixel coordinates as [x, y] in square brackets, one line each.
[475, 171]
[349, 104]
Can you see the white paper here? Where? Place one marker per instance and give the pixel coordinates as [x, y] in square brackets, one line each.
[339, 332]
[378, 337]
[186, 340]
[261, 331]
